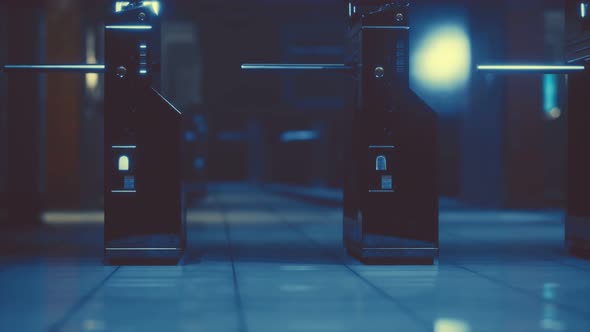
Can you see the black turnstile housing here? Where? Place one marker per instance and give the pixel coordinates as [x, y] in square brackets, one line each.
[144, 212]
[391, 187]
[577, 225]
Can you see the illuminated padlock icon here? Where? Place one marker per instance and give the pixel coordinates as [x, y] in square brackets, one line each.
[123, 164]
[381, 163]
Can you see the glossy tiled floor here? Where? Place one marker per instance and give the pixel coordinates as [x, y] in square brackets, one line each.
[259, 262]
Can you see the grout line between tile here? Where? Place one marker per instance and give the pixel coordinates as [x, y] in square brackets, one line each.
[408, 311]
[242, 325]
[80, 303]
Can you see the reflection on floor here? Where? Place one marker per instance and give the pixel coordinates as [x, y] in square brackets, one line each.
[262, 262]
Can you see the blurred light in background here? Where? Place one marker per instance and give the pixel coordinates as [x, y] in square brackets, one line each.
[299, 135]
[91, 81]
[442, 60]
[583, 9]
[73, 217]
[554, 113]
[550, 96]
[190, 136]
[199, 163]
[91, 78]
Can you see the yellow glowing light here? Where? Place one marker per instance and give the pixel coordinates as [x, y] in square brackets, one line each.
[91, 78]
[155, 6]
[91, 81]
[120, 4]
[443, 59]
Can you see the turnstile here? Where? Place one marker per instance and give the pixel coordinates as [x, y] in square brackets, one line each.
[144, 212]
[391, 185]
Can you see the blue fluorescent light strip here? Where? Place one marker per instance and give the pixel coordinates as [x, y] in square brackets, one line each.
[143, 46]
[583, 8]
[129, 27]
[123, 191]
[142, 248]
[530, 68]
[393, 27]
[88, 67]
[124, 146]
[295, 66]
[143, 71]
[396, 248]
